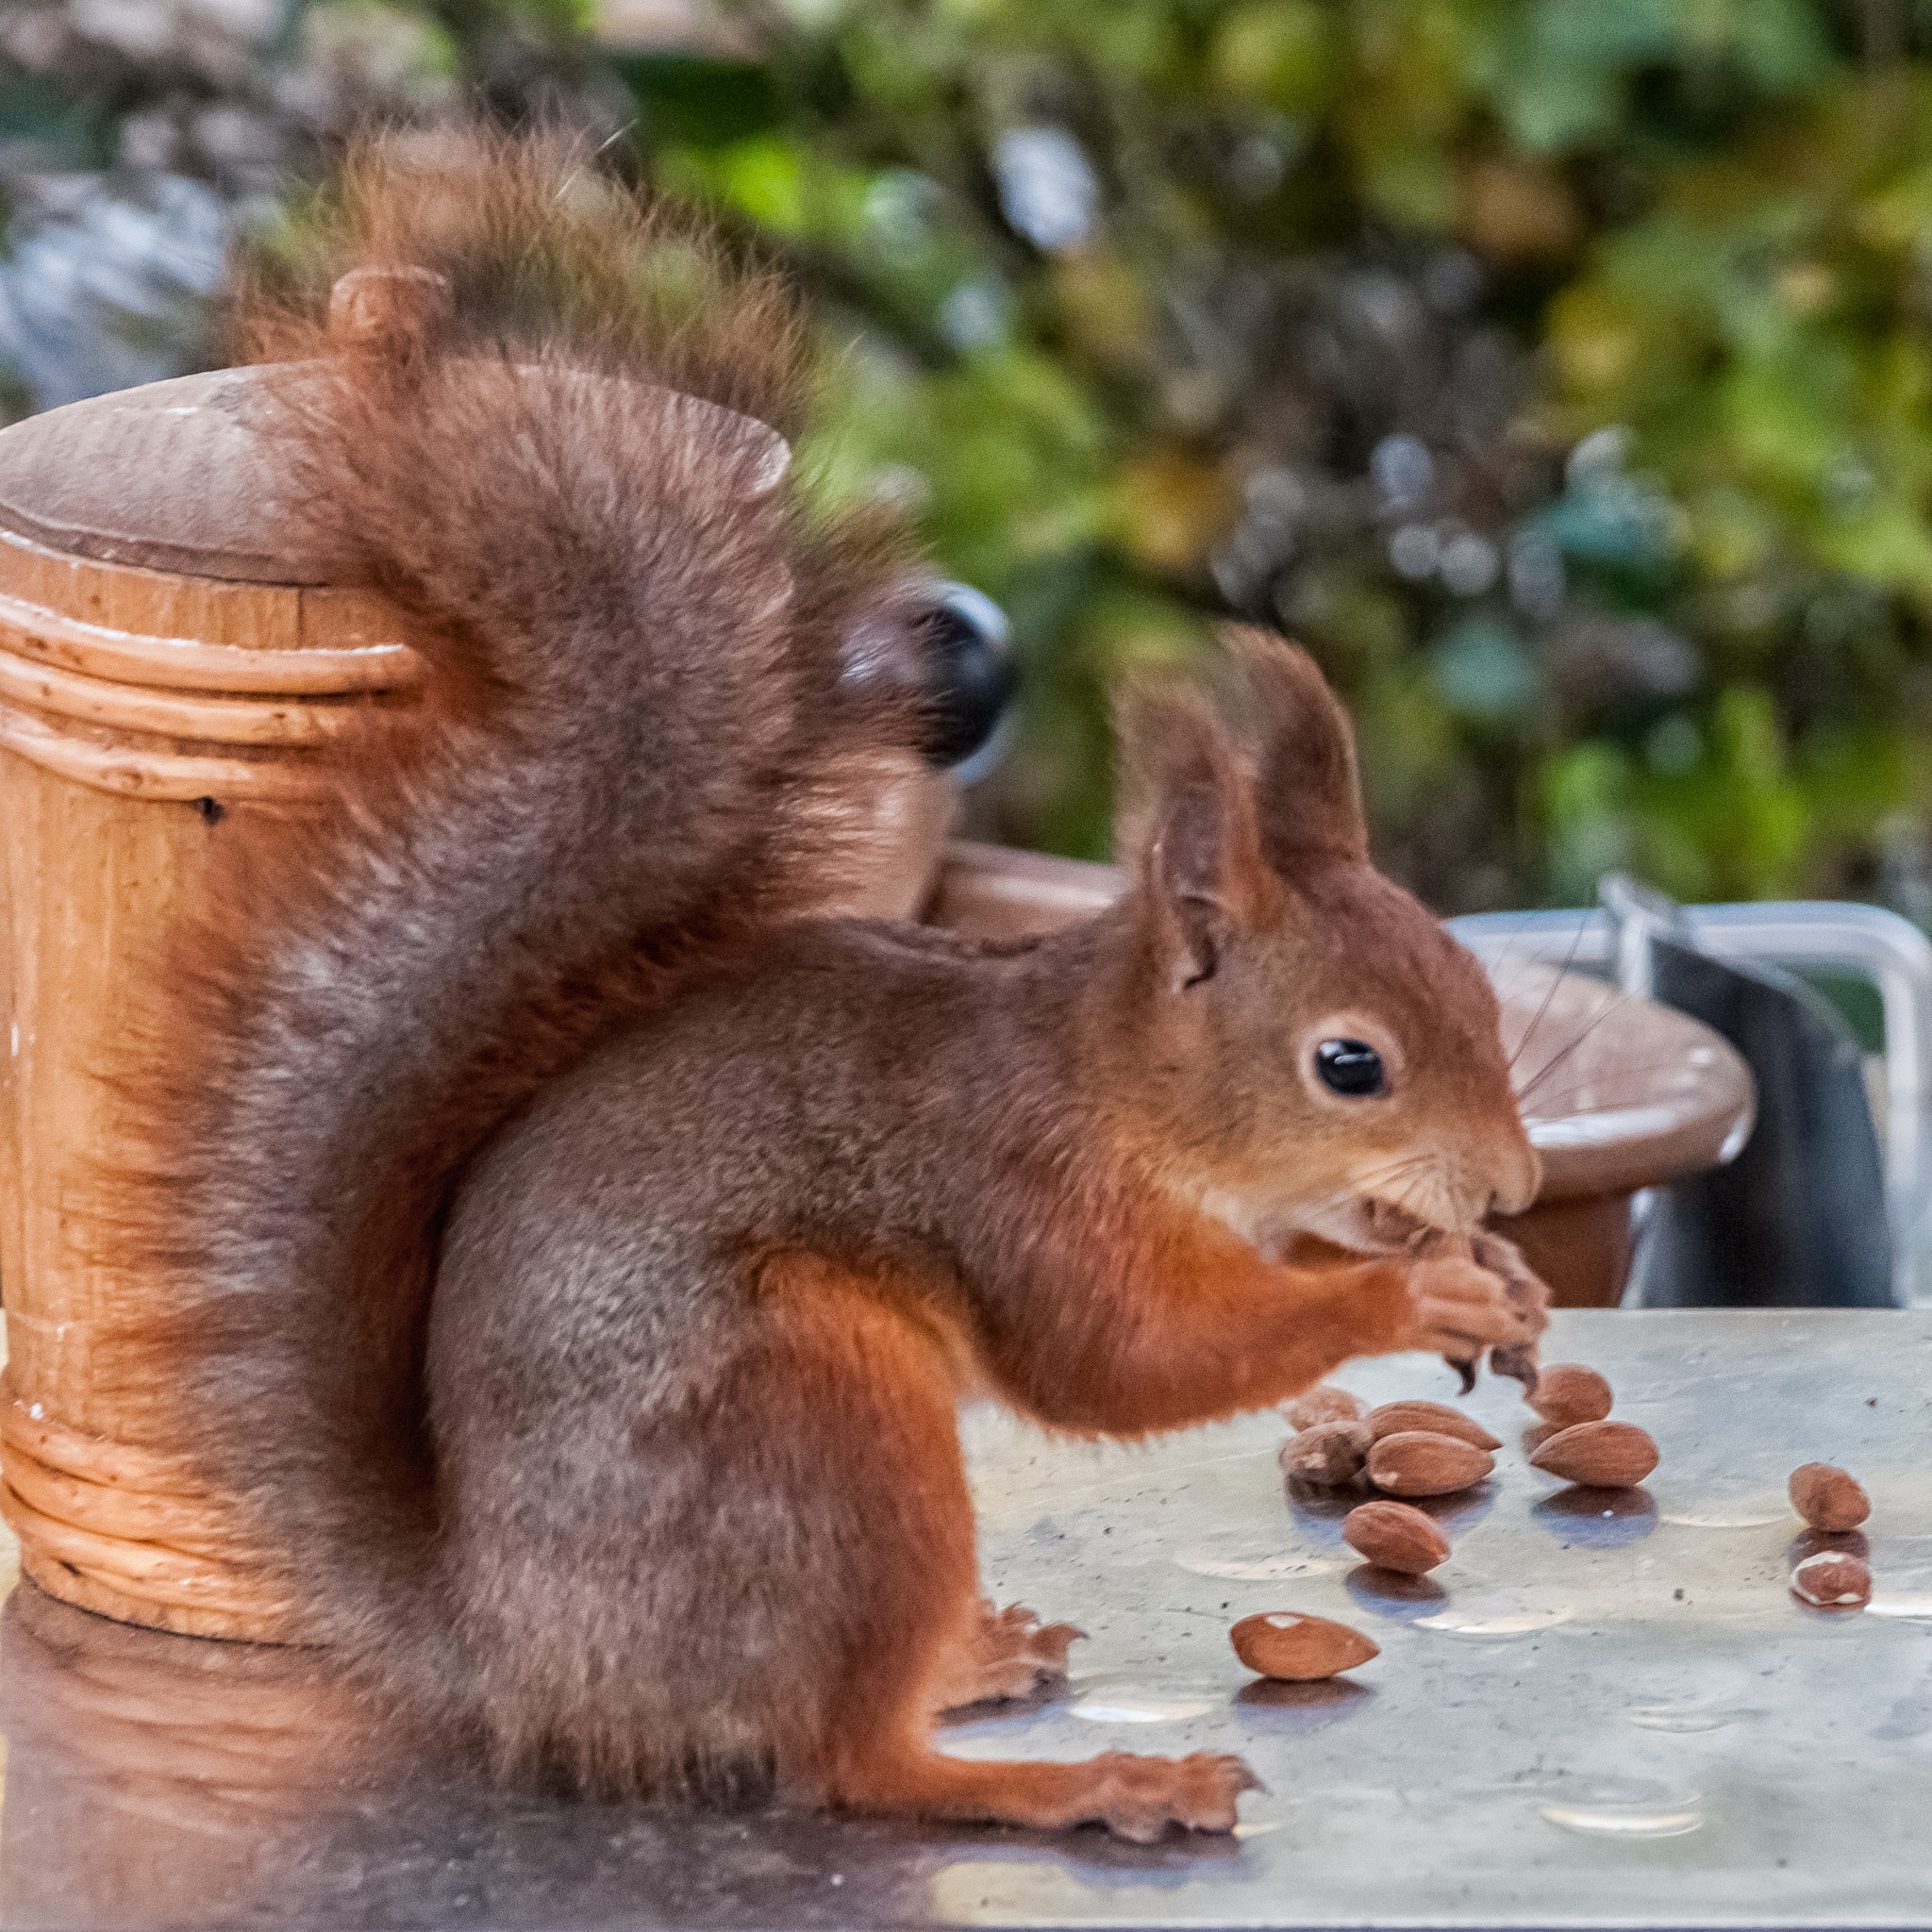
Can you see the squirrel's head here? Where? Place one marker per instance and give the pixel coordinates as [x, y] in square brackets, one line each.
[1316, 1055]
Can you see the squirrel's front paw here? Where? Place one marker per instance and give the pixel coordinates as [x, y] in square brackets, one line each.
[1530, 1295]
[1458, 1309]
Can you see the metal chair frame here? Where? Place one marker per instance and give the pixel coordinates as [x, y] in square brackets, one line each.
[1888, 951]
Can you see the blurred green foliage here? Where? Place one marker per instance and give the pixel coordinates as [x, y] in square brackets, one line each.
[1558, 370]
[1559, 373]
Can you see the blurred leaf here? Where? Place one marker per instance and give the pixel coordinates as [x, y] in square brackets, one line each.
[697, 101]
[1558, 369]
[63, 129]
[1483, 673]
[1171, 508]
[1280, 51]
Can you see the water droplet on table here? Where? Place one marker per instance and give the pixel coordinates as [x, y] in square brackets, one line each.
[1887, 1603]
[1623, 1819]
[1687, 1716]
[1712, 1508]
[1135, 1704]
[1497, 1614]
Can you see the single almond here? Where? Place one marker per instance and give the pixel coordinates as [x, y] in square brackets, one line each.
[1828, 1498]
[1395, 1536]
[1284, 1643]
[1567, 1394]
[1419, 1462]
[1437, 1418]
[1833, 1581]
[1601, 1456]
[1331, 1453]
[1323, 1403]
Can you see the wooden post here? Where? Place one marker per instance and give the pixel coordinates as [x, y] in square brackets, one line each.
[137, 709]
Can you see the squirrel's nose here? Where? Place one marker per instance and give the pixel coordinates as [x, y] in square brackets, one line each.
[1518, 1186]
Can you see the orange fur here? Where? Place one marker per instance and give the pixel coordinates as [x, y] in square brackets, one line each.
[567, 1255]
[1177, 1320]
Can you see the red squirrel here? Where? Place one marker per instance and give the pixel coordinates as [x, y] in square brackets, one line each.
[572, 1251]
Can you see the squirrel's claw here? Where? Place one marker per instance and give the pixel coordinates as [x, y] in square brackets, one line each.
[1529, 1295]
[1517, 1363]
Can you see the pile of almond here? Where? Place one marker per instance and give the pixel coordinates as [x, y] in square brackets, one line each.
[1429, 1449]
[1404, 1448]
[1422, 1449]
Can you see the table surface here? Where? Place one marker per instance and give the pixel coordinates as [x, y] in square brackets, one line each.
[1603, 1710]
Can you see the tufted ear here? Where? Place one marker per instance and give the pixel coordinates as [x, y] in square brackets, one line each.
[1189, 828]
[1307, 796]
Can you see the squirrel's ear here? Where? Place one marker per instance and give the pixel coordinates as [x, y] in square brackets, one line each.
[1189, 827]
[1307, 795]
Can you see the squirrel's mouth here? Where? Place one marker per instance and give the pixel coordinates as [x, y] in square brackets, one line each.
[1396, 1218]
[1387, 1223]
[1365, 1223]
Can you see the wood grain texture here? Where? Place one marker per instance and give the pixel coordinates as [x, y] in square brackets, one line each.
[128, 702]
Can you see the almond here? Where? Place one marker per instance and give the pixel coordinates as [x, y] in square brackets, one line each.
[1567, 1394]
[1323, 1403]
[1419, 1462]
[1437, 1418]
[1330, 1453]
[1602, 1456]
[1828, 1498]
[1395, 1536]
[1833, 1581]
[1284, 1643]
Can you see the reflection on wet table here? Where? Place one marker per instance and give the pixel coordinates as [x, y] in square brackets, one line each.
[1606, 1708]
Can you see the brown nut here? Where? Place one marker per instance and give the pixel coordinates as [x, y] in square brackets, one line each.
[1567, 1394]
[1833, 1581]
[1602, 1456]
[1437, 1418]
[1284, 1643]
[1323, 1403]
[1419, 1462]
[1396, 1537]
[1828, 1498]
[1330, 1453]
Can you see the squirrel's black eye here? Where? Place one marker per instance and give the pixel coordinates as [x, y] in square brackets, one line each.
[1350, 1067]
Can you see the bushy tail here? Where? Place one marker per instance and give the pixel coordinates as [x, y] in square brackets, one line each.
[633, 748]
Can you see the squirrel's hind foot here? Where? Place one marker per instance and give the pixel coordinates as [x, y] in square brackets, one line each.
[1010, 1654]
[1136, 1798]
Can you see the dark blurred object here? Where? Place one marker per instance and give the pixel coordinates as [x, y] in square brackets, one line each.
[971, 680]
[1799, 1218]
